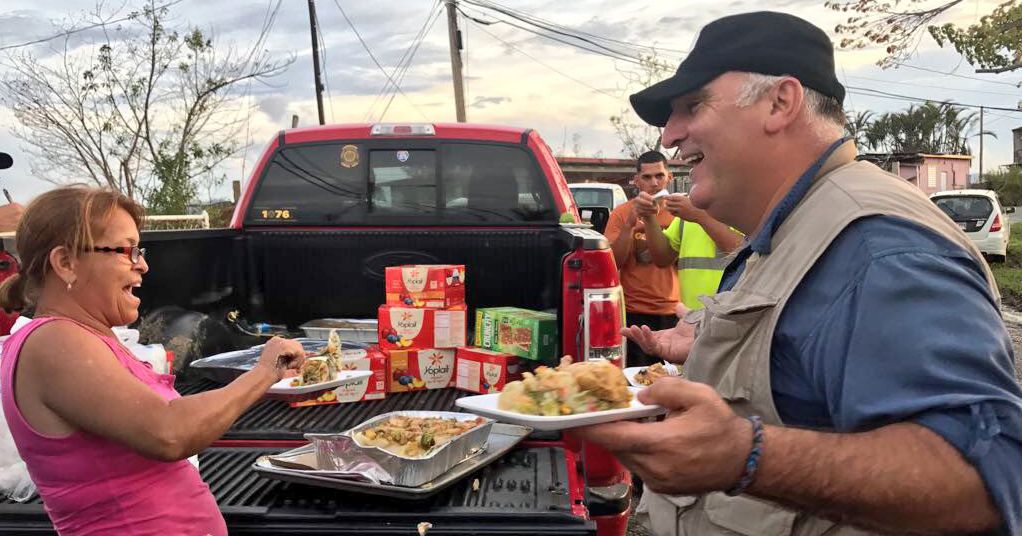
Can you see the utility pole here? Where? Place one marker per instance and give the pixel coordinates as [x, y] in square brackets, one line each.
[455, 39]
[315, 60]
[980, 144]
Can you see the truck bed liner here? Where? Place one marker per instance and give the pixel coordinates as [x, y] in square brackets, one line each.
[525, 492]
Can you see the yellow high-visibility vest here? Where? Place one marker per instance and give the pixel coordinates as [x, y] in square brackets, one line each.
[699, 265]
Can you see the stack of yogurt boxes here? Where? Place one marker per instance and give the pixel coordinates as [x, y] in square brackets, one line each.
[422, 329]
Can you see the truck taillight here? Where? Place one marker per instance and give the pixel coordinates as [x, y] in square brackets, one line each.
[411, 129]
[603, 319]
[996, 226]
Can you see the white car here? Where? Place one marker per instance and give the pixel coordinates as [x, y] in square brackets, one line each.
[979, 213]
[598, 194]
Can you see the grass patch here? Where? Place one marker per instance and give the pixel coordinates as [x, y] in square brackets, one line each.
[1009, 274]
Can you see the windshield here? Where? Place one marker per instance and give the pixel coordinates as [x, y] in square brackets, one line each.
[962, 208]
[593, 197]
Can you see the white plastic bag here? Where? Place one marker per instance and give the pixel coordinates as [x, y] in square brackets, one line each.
[14, 480]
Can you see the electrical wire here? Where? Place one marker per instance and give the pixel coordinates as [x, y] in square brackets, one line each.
[956, 75]
[82, 29]
[931, 86]
[409, 56]
[616, 56]
[885, 94]
[554, 69]
[401, 62]
[373, 57]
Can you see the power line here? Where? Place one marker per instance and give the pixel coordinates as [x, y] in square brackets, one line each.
[373, 57]
[931, 86]
[89, 27]
[956, 75]
[554, 69]
[405, 63]
[550, 25]
[620, 56]
[877, 93]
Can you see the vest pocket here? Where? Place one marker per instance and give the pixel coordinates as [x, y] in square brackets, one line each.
[731, 343]
[748, 516]
[665, 512]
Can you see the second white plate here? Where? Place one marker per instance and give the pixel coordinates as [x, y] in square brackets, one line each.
[283, 387]
[486, 405]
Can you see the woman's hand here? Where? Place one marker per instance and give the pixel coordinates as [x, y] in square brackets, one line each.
[282, 356]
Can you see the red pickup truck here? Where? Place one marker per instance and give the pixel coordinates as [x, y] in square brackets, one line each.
[324, 212]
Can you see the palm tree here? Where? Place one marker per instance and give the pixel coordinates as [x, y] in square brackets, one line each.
[856, 125]
[934, 128]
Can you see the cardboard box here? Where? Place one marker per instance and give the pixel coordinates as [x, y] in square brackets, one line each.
[521, 332]
[410, 327]
[416, 370]
[484, 371]
[425, 285]
[486, 325]
[372, 388]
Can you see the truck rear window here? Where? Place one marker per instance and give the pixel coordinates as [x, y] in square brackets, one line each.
[385, 182]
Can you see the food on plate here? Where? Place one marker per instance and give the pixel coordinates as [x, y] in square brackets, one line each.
[412, 437]
[570, 388]
[652, 373]
[315, 370]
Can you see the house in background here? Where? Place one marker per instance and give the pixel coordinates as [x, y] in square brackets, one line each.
[929, 172]
[617, 171]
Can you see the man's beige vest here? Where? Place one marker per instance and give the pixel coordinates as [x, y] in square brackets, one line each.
[732, 349]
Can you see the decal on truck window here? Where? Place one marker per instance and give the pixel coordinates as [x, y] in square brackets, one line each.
[349, 156]
[276, 214]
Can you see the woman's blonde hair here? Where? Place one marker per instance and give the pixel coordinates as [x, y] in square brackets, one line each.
[70, 216]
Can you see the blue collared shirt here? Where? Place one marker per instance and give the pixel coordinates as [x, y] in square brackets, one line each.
[896, 323]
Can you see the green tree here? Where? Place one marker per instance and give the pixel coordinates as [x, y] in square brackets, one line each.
[856, 125]
[934, 128]
[1007, 182]
[993, 45]
[148, 109]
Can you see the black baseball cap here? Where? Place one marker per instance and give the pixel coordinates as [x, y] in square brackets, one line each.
[762, 42]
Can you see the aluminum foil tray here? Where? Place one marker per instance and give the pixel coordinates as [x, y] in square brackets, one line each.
[355, 330]
[403, 471]
[503, 437]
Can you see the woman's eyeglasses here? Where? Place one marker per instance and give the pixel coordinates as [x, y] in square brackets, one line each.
[134, 253]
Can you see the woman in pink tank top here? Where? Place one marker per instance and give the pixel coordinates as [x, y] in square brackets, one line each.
[106, 439]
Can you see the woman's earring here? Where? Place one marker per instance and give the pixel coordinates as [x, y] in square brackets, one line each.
[69, 283]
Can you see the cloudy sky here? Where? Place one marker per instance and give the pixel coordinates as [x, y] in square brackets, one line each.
[512, 76]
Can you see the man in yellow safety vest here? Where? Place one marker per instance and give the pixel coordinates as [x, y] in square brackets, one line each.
[699, 244]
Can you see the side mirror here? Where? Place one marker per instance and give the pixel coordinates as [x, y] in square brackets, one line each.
[1009, 210]
[597, 216]
[6, 161]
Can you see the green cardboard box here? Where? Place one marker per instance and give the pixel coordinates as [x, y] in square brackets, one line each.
[521, 332]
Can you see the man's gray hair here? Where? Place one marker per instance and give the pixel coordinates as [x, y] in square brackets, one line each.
[825, 113]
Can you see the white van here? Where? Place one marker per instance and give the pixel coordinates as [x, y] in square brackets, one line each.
[979, 213]
[598, 194]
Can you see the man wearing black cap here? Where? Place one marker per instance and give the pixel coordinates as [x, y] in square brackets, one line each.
[853, 373]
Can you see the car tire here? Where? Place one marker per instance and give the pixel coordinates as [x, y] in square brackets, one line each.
[996, 258]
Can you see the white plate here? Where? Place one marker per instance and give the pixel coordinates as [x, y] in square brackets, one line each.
[283, 387]
[630, 373]
[486, 405]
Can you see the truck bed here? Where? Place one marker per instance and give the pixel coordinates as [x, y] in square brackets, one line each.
[513, 498]
[529, 490]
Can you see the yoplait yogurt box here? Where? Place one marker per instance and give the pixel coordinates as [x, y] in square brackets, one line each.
[371, 388]
[425, 285]
[485, 371]
[410, 327]
[419, 369]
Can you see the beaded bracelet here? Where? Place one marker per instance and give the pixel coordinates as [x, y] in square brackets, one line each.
[752, 462]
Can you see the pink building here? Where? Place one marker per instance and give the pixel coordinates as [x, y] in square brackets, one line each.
[930, 172]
